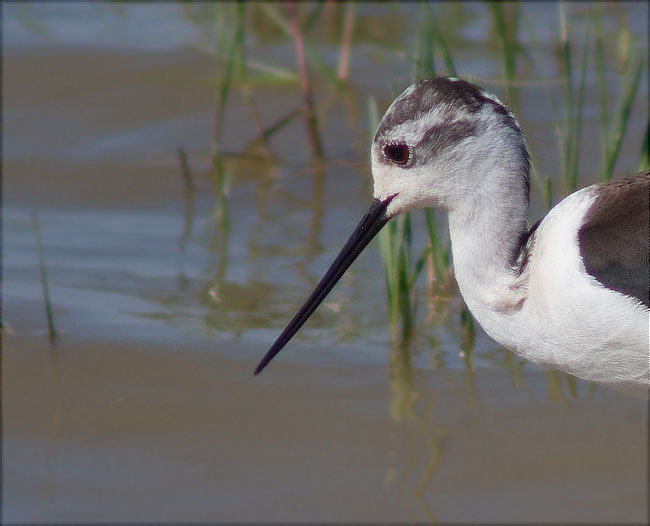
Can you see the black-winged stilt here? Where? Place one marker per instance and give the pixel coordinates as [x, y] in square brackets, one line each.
[570, 293]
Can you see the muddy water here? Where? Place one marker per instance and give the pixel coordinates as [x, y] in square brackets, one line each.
[145, 409]
[101, 431]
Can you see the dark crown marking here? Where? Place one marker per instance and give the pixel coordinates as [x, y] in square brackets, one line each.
[461, 97]
[456, 93]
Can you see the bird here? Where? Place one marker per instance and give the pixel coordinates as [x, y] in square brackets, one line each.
[570, 293]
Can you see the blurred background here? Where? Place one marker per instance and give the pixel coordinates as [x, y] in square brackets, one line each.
[176, 179]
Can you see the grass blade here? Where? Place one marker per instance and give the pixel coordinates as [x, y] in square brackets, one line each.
[644, 161]
[508, 36]
[424, 65]
[236, 43]
[568, 95]
[313, 17]
[577, 118]
[440, 256]
[185, 171]
[373, 118]
[190, 188]
[600, 66]
[619, 121]
[275, 127]
[439, 39]
[51, 330]
[573, 106]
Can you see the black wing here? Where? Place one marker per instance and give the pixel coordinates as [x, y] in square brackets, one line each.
[614, 238]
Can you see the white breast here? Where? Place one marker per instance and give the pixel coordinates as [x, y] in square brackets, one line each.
[569, 319]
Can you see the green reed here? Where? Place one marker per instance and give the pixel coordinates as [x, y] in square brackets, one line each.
[573, 104]
[395, 240]
[644, 161]
[506, 21]
[230, 47]
[231, 51]
[614, 124]
[401, 267]
[395, 247]
[190, 190]
[425, 63]
[614, 121]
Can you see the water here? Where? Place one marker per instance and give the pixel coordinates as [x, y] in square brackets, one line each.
[147, 396]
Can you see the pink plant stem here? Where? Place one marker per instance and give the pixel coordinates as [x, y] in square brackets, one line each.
[348, 26]
[307, 101]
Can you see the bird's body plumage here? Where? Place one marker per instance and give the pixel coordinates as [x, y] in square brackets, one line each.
[550, 310]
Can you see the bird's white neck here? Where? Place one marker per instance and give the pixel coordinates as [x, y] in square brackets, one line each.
[485, 235]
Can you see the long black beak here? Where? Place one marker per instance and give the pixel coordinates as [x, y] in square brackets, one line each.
[365, 231]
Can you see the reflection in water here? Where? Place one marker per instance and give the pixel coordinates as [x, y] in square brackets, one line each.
[514, 366]
[467, 345]
[403, 393]
[190, 190]
[314, 247]
[403, 410]
[412, 408]
[220, 185]
[556, 381]
[54, 431]
[262, 139]
[221, 238]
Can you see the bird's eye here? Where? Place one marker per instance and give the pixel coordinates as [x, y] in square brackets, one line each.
[398, 153]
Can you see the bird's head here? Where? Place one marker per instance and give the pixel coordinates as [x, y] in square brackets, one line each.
[442, 142]
[438, 144]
